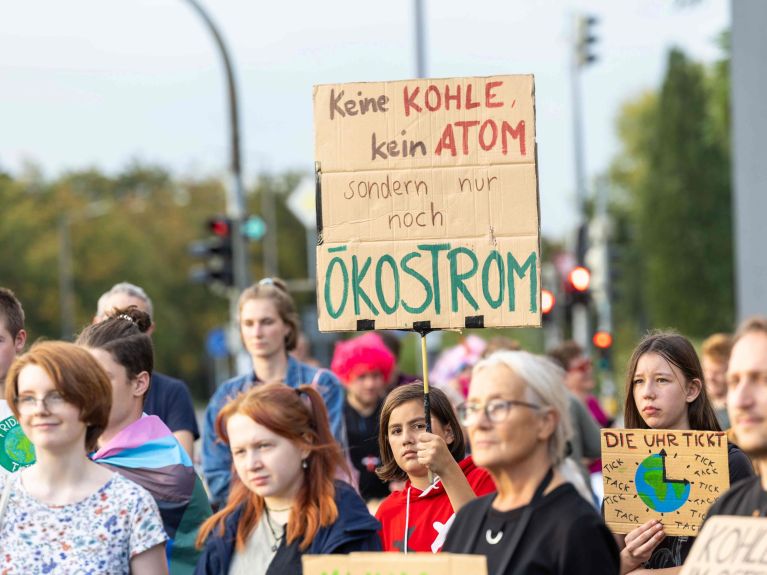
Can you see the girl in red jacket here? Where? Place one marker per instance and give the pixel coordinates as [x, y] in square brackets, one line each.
[418, 517]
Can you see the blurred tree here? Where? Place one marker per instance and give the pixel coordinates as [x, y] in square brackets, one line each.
[673, 213]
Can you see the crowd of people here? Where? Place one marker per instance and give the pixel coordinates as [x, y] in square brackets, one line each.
[97, 469]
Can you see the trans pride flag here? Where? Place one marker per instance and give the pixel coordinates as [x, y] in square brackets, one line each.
[147, 453]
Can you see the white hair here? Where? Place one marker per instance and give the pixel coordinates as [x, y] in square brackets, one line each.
[544, 381]
[127, 289]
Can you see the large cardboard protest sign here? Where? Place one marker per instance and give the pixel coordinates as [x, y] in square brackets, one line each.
[729, 545]
[395, 564]
[673, 476]
[427, 211]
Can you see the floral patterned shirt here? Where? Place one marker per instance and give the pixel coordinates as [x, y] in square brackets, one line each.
[97, 535]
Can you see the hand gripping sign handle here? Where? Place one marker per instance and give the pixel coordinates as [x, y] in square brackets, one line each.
[426, 400]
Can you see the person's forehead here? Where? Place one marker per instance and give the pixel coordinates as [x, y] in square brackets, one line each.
[124, 300]
[749, 353]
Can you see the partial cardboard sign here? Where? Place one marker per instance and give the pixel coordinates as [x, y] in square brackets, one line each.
[427, 204]
[729, 545]
[670, 475]
[395, 564]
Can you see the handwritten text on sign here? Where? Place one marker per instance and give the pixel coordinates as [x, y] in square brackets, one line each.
[669, 475]
[729, 546]
[430, 189]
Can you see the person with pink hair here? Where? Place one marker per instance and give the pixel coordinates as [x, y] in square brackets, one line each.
[364, 364]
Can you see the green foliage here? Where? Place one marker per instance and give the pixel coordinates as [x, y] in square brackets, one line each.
[134, 226]
[673, 221]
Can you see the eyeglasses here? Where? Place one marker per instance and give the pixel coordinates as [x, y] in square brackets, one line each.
[51, 402]
[583, 365]
[496, 410]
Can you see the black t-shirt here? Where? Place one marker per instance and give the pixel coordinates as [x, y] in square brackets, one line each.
[362, 435]
[565, 535]
[746, 498]
[672, 551]
[169, 399]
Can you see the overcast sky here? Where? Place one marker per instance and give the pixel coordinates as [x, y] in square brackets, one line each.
[99, 82]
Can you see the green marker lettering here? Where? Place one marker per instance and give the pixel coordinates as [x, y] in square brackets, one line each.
[424, 282]
[335, 314]
[494, 256]
[457, 280]
[357, 277]
[513, 267]
[434, 249]
[387, 259]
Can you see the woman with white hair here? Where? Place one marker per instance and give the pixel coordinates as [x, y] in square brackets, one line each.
[517, 418]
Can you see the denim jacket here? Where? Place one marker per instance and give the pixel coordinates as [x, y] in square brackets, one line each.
[216, 457]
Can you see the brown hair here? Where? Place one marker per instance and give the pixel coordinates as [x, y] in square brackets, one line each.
[441, 408]
[77, 376]
[123, 336]
[566, 352]
[276, 290]
[679, 352]
[717, 347]
[755, 323]
[11, 311]
[300, 416]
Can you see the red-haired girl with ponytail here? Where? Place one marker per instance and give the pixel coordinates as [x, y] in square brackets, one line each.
[283, 501]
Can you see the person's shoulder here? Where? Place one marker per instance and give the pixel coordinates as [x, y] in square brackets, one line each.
[565, 500]
[165, 379]
[127, 491]
[231, 386]
[739, 463]
[730, 500]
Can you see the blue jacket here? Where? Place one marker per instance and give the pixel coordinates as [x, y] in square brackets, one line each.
[354, 530]
[216, 457]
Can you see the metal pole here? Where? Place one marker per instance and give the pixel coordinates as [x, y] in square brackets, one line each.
[580, 319]
[235, 191]
[420, 40]
[66, 281]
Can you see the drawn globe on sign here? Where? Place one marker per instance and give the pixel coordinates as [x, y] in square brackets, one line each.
[655, 489]
[18, 447]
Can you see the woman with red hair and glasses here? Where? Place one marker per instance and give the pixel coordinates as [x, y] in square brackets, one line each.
[283, 500]
[364, 365]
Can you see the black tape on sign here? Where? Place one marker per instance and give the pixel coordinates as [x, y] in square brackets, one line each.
[318, 200]
[421, 326]
[366, 324]
[474, 321]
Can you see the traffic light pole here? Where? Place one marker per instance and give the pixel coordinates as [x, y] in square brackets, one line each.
[580, 317]
[235, 191]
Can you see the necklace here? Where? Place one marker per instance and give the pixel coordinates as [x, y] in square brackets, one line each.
[280, 528]
[273, 510]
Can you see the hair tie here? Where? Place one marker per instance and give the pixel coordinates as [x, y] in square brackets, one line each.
[126, 316]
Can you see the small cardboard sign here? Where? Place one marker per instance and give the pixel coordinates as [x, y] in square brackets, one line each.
[670, 475]
[729, 545]
[395, 564]
[427, 204]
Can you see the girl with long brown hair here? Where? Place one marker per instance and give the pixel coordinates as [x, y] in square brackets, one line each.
[283, 501]
[665, 390]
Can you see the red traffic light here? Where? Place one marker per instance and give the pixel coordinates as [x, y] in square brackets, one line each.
[580, 278]
[220, 227]
[602, 339]
[547, 301]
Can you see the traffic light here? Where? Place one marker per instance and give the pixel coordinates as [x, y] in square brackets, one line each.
[585, 40]
[548, 301]
[603, 341]
[216, 253]
[578, 284]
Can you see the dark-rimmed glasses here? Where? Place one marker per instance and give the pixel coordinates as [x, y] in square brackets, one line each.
[496, 410]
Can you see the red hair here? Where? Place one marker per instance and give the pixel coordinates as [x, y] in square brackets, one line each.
[360, 355]
[300, 416]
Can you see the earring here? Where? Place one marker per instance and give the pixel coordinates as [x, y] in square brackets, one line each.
[304, 464]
